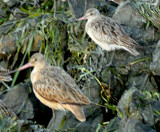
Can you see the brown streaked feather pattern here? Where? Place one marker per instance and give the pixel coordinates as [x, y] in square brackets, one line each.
[55, 88]
[3, 76]
[54, 84]
[108, 34]
[6, 111]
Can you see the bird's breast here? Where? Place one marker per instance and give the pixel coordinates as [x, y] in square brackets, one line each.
[34, 76]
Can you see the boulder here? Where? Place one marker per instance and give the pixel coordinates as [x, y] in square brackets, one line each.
[79, 7]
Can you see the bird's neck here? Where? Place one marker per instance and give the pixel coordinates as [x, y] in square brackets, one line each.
[40, 66]
[92, 18]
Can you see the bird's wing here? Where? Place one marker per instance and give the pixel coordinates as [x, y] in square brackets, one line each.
[57, 85]
[3, 76]
[107, 31]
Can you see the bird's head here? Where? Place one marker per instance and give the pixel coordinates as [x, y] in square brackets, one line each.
[90, 14]
[37, 60]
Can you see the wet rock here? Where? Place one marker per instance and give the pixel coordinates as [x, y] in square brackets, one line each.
[154, 66]
[17, 99]
[134, 105]
[37, 41]
[143, 82]
[3, 13]
[6, 27]
[127, 15]
[17, 13]
[11, 3]
[143, 36]
[135, 126]
[8, 44]
[79, 7]
[113, 125]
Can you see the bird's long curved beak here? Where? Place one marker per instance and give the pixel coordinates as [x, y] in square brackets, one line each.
[25, 66]
[21, 68]
[82, 18]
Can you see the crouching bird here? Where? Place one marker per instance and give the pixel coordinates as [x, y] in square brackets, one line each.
[55, 88]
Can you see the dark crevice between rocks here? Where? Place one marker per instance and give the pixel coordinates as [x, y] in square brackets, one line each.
[157, 80]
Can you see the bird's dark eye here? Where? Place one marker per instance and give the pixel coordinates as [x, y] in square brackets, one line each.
[91, 14]
[35, 59]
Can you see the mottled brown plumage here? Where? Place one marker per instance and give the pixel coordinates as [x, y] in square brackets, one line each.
[55, 88]
[107, 33]
[6, 111]
[3, 75]
[3, 108]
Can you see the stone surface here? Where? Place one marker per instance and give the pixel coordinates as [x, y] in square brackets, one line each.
[127, 15]
[113, 125]
[79, 7]
[135, 126]
[134, 105]
[8, 44]
[11, 3]
[17, 13]
[17, 99]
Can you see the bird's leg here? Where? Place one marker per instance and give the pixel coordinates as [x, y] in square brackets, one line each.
[110, 62]
[55, 8]
[53, 117]
[51, 124]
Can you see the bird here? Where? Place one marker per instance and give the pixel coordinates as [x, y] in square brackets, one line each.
[3, 75]
[54, 87]
[107, 33]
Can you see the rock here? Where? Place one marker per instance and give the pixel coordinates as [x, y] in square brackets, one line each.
[11, 3]
[143, 82]
[79, 7]
[17, 13]
[127, 15]
[8, 44]
[154, 66]
[92, 112]
[3, 13]
[143, 36]
[134, 105]
[6, 27]
[37, 41]
[113, 125]
[135, 126]
[17, 99]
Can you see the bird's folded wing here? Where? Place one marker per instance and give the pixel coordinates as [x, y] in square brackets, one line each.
[57, 85]
[3, 76]
[107, 31]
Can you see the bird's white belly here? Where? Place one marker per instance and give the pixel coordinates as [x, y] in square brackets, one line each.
[108, 47]
[103, 44]
[50, 104]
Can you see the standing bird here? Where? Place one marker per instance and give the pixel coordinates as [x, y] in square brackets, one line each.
[107, 33]
[55, 88]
